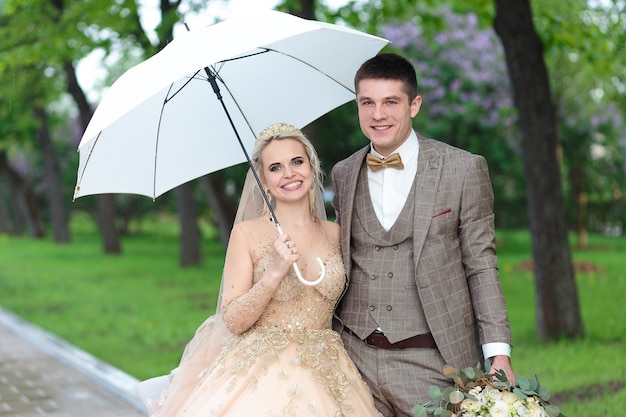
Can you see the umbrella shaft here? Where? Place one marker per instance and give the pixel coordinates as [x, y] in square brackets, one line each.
[216, 90]
[213, 82]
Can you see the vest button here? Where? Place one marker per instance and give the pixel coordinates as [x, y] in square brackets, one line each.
[389, 308]
[372, 308]
[373, 277]
[390, 274]
[395, 247]
[376, 248]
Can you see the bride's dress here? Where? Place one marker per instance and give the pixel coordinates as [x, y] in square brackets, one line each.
[290, 363]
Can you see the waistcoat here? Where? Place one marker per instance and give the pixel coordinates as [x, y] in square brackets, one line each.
[382, 290]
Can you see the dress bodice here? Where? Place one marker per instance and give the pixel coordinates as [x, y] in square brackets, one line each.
[297, 306]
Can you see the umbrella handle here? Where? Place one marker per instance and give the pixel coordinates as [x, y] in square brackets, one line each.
[321, 275]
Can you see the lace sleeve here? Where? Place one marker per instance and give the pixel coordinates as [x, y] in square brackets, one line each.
[241, 313]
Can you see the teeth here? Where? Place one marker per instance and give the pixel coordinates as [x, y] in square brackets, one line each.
[292, 185]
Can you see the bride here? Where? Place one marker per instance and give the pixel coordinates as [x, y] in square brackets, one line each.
[270, 349]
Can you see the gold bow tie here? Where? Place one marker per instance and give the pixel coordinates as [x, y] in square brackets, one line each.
[392, 161]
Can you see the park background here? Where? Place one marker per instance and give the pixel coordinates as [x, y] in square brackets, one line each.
[540, 95]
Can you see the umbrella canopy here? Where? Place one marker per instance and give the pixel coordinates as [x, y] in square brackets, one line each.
[160, 124]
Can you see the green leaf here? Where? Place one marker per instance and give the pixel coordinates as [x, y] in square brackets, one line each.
[552, 410]
[519, 393]
[487, 365]
[434, 392]
[446, 393]
[523, 383]
[544, 393]
[442, 413]
[456, 397]
[419, 411]
[469, 372]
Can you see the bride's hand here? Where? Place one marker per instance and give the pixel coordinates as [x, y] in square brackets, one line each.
[285, 254]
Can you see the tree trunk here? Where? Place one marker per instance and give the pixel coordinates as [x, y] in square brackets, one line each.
[106, 203]
[108, 226]
[190, 251]
[6, 223]
[53, 187]
[220, 203]
[558, 312]
[23, 201]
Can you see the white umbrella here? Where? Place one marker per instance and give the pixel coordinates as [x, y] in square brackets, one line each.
[160, 125]
[198, 105]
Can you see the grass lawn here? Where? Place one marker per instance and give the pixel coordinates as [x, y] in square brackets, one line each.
[138, 310]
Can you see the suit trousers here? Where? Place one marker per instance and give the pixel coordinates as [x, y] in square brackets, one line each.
[398, 378]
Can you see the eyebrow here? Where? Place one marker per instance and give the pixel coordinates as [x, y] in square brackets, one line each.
[291, 160]
[393, 97]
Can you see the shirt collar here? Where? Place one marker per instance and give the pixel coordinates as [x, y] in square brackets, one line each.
[406, 150]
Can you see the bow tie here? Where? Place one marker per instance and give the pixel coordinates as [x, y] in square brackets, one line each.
[376, 164]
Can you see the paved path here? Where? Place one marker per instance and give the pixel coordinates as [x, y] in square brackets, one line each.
[44, 376]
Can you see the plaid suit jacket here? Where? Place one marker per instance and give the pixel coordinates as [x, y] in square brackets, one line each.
[454, 257]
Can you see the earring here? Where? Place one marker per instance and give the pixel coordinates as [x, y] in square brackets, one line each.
[312, 201]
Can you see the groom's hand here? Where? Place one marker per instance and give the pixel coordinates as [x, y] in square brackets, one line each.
[503, 362]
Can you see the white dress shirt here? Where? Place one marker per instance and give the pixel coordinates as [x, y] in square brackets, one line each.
[389, 188]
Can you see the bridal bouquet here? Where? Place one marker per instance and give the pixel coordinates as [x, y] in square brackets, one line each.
[478, 393]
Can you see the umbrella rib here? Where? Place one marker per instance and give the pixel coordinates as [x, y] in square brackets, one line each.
[169, 97]
[241, 112]
[158, 134]
[77, 188]
[312, 67]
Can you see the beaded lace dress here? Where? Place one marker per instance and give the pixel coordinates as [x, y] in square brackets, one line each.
[289, 363]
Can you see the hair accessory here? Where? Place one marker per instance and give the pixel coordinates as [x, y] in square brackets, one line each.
[276, 129]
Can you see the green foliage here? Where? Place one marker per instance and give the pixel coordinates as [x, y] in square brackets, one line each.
[485, 392]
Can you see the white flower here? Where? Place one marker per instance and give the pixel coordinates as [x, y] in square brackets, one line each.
[509, 397]
[470, 405]
[522, 411]
[536, 410]
[499, 409]
[493, 394]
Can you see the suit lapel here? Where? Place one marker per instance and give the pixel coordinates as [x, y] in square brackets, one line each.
[429, 167]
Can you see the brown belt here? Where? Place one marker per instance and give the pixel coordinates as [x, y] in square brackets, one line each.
[379, 340]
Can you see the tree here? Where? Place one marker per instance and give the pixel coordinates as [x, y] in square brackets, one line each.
[467, 99]
[558, 312]
[580, 41]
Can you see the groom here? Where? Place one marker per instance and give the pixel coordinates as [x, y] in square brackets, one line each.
[418, 244]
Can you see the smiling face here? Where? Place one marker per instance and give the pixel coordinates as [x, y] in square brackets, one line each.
[385, 113]
[287, 171]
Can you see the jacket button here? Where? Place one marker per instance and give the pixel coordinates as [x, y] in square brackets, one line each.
[377, 248]
[389, 308]
[390, 275]
[372, 308]
[395, 247]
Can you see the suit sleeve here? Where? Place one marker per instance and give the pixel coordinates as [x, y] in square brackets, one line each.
[477, 239]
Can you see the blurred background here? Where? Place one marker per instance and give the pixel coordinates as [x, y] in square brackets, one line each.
[536, 87]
